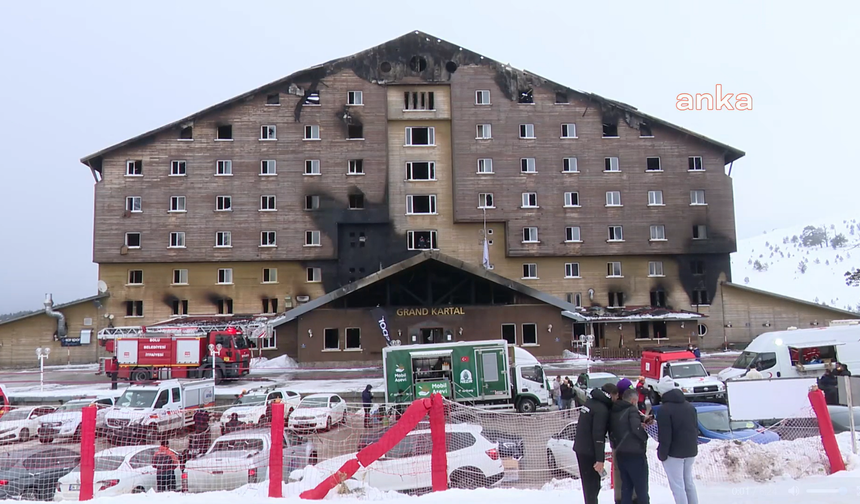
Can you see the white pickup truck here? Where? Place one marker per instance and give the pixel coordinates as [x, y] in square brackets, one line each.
[665, 369]
[154, 410]
[252, 407]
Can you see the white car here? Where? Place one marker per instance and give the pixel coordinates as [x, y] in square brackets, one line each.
[234, 460]
[118, 471]
[473, 462]
[252, 406]
[318, 412]
[22, 424]
[65, 421]
[588, 382]
[560, 457]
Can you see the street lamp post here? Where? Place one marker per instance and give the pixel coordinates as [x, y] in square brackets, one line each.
[42, 354]
[587, 341]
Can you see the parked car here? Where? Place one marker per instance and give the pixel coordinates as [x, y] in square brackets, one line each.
[588, 381]
[299, 452]
[32, 473]
[118, 471]
[473, 461]
[370, 436]
[560, 457]
[714, 423]
[253, 407]
[317, 412]
[65, 421]
[20, 424]
[511, 446]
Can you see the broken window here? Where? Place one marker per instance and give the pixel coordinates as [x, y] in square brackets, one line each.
[572, 234]
[568, 130]
[421, 136]
[527, 131]
[613, 269]
[331, 339]
[694, 163]
[356, 201]
[421, 240]
[645, 131]
[700, 232]
[655, 268]
[530, 270]
[530, 235]
[186, 133]
[312, 167]
[355, 167]
[615, 233]
[561, 98]
[273, 99]
[526, 96]
[312, 202]
[658, 298]
[133, 204]
[569, 165]
[353, 338]
[485, 200]
[575, 298]
[225, 306]
[223, 239]
[643, 329]
[312, 98]
[270, 305]
[421, 204]
[355, 131]
[224, 132]
[611, 164]
[610, 130]
[527, 165]
[530, 338]
[134, 168]
[180, 307]
[421, 170]
[653, 164]
[697, 267]
[268, 239]
[314, 275]
[571, 199]
[616, 299]
[485, 165]
[354, 98]
[419, 100]
[700, 297]
[312, 238]
[134, 308]
[132, 240]
[482, 97]
[135, 277]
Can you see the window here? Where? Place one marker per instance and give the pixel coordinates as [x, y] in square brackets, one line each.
[569, 165]
[697, 197]
[571, 199]
[700, 297]
[655, 198]
[356, 201]
[418, 100]
[273, 99]
[312, 202]
[703, 330]
[613, 198]
[312, 238]
[355, 131]
[224, 167]
[485, 200]
[177, 168]
[225, 275]
[186, 133]
[421, 240]
[575, 298]
[700, 232]
[268, 239]
[132, 240]
[530, 334]
[530, 271]
[571, 270]
[223, 239]
[658, 298]
[697, 267]
[615, 233]
[561, 98]
[224, 306]
[268, 203]
[312, 99]
[694, 163]
[314, 275]
[527, 165]
[645, 131]
[613, 269]
[312, 132]
[223, 203]
[530, 200]
[530, 235]
[568, 130]
[423, 170]
[655, 269]
[312, 167]
[572, 234]
[134, 308]
[331, 339]
[135, 277]
[420, 204]
[354, 98]
[653, 164]
[354, 167]
[658, 232]
[177, 239]
[180, 306]
[616, 299]
[610, 130]
[610, 164]
[509, 333]
[134, 204]
[134, 168]
[268, 167]
[270, 305]
[421, 136]
[270, 275]
[482, 97]
[485, 165]
[224, 132]
[177, 203]
[527, 131]
[268, 132]
[485, 131]
[180, 277]
[526, 96]
[353, 336]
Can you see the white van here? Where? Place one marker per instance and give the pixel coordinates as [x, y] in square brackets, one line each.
[799, 353]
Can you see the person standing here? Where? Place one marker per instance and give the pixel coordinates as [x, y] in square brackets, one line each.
[556, 391]
[367, 402]
[566, 395]
[629, 439]
[165, 463]
[590, 440]
[678, 437]
[622, 385]
[640, 388]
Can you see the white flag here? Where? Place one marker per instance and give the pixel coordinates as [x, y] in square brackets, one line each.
[486, 254]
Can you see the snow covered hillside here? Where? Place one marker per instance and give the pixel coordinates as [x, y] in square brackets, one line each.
[806, 262]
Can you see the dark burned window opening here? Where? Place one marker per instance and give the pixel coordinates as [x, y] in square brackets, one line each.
[700, 232]
[331, 339]
[270, 305]
[356, 202]
[418, 63]
[610, 130]
[134, 308]
[526, 96]
[419, 100]
[645, 130]
[353, 338]
[451, 66]
[421, 135]
[658, 298]
[355, 131]
[312, 99]
[225, 306]
[561, 98]
[224, 132]
[421, 170]
[700, 297]
[385, 67]
[312, 202]
[273, 99]
[186, 133]
[653, 164]
[616, 299]
[697, 267]
[180, 306]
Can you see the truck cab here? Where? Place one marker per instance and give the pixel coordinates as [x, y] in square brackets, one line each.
[147, 410]
[670, 368]
[232, 352]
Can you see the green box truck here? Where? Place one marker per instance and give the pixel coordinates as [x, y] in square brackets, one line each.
[492, 374]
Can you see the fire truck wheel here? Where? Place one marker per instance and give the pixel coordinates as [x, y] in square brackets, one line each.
[139, 375]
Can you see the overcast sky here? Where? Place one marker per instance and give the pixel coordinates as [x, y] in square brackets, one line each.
[76, 77]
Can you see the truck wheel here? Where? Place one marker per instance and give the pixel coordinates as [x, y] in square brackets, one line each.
[139, 375]
[24, 435]
[526, 405]
[46, 440]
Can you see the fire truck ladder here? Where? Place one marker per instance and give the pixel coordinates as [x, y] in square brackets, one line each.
[254, 330]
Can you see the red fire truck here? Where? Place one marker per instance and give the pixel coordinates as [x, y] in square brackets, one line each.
[163, 352]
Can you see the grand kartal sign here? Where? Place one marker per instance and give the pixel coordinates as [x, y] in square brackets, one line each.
[423, 312]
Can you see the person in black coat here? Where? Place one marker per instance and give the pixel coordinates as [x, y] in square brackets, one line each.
[567, 394]
[629, 439]
[590, 441]
[841, 369]
[367, 402]
[678, 435]
[830, 386]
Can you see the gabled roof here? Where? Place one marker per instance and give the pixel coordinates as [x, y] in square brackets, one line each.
[793, 300]
[55, 308]
[414, 261]
[401, 50]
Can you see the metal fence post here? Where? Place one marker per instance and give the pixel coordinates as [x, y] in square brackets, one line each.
[850, 404]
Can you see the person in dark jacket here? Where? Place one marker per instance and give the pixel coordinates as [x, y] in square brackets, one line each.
[829, 384]
[623, 384]
[628, 437]
[590, 441]
[566, 396]
[201, 420]
[232, 425]
[678, 435]
[367, 402]
[165, 463]
[841, 369]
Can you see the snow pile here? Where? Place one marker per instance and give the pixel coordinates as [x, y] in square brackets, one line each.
[568, 355]
[310, 477]
[575, 360]
[567, 484]
[264, 365]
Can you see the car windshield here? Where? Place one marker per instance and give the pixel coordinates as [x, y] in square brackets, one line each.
[19, 414]
[716, 421]
[744, 360]
[314, 402]
[73, 406]
[232, 445]
[137, 399]
[743, 425]
[599, 382]
[691, 370]
[241, 342]
[252, 399]
[105, 464]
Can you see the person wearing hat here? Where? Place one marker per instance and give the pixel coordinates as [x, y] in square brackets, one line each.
[622, 385]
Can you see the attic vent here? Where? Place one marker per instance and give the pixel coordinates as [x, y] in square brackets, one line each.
[385, 67]
[418, 64]
[451, 67]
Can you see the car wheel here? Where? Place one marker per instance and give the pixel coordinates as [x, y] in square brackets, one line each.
[328, 423]
[139, 375]
[138, 490]
[468, 478]
[46, 440]
[526, 405]
[24, 435]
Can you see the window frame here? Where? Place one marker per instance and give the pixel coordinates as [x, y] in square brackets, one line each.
[268, 167]
[346, 345]
[311, 133]
[524, 131]
[655, 192]
[700, 232]
[177, 240]
[523, 334]
[612, 271]
[268, 203]
[224, 168]
[313, 275]
[484, 131]
[529, 205]
[568, 235]
[178, 204]
[224, 203]
[431, 171]
[508, 324]
[532, 267]
[432, 202]
[569, 197]
[226, 278]
[569, 270]
[657, 230]
[130, 281]
[315, 203]
[483, 163]
[482, 93]
[224, 234]
[613, 203]
[351, 101]
[313, 168]
[134, 308]
[431, 136]
[273, 278]
[130, 207]
[178, 168]
[180, 274]
[528, 165]
[355, 167]
[694, 193]
[313, 238]
[134, 168]
[268, 239]
[691, 161]
[659, 164]
[565, 130]
[530, 234]
[567, 162]
[268, 133]
[482, 201]
[613, 161]
[411, 239]
[615, 234]
[655, 269]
